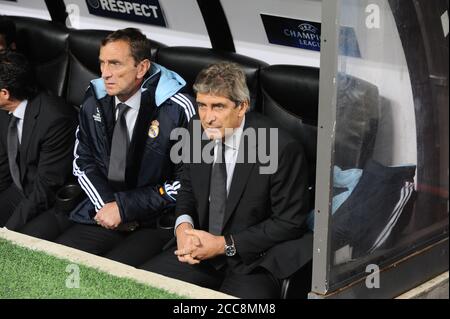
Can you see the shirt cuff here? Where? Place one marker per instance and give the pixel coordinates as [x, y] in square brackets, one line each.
[182, 219]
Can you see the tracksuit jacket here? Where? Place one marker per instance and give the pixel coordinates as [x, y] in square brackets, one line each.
[151, 179]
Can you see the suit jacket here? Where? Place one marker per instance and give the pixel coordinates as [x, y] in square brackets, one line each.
[46, 154]
[264, 212]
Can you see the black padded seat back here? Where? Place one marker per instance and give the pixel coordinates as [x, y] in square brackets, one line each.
[291, 98]
[189, 61]
[45, 44]
[357, 115]
[84, 49]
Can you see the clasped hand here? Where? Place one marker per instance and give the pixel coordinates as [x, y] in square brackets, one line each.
[197, 245]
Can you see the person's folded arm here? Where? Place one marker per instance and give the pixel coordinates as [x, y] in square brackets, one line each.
[148, 202]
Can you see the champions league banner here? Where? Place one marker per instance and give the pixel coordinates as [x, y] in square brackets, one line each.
[292, 32]
[306, 35]
[144, 11]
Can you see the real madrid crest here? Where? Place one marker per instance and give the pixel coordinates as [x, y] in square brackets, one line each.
[154, 129]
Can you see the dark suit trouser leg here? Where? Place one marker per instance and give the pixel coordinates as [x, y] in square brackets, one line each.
[93, 239]
[47, 225]
[9, 200]
[167, 264]
[140, 246]
[259, 284]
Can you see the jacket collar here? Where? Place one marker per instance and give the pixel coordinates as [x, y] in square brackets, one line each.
[19, 112]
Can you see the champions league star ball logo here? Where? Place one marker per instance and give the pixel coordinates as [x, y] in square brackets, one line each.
[94, 3]
[306, 27]
[306, 35]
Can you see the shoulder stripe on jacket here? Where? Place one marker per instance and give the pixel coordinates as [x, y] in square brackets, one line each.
[185, 103]
[188, 102]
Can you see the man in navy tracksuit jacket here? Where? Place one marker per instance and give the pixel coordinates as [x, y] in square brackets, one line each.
[117, 217]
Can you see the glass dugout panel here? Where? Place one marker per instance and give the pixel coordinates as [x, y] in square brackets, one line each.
[389, 165]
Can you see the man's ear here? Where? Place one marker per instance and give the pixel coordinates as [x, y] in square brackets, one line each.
[4, 93]
[143, 68]
[244, 108]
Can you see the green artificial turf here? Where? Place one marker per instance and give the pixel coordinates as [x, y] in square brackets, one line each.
[25, 273]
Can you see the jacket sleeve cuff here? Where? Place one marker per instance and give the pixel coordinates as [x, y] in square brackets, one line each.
[182, 219]
[247, 256]
[121, 211]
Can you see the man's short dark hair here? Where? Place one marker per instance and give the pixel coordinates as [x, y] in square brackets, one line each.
[139, 44]
[7, 30]
[16, 76]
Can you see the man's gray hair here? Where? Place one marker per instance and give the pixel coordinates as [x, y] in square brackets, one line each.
[225, 79]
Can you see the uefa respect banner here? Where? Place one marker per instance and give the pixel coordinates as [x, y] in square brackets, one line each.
[144, 11]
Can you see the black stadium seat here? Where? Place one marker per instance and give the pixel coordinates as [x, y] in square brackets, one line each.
[45, 44]
[290, 97]
[84, 46]
[358, 108]
[189, 61]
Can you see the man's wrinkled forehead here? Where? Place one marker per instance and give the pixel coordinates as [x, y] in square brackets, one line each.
[212, 98]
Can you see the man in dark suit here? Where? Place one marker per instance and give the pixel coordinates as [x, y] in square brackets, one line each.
[122, 152]
[233, 215]
[36, 144]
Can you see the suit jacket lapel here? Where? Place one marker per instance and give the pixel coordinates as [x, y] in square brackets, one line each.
[107, 111]
[31, 114]
[241, 174]
[201, 173]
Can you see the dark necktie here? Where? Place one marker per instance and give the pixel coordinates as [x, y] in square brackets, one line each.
[13, 151]
[119, 147]
[218, 192]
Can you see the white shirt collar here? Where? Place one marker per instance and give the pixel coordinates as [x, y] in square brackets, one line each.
[19, 112]
[133, 102]
[233, 140]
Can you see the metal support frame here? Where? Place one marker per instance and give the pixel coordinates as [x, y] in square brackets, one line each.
[325, 143]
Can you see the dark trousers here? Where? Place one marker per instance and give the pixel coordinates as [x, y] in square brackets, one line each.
[259, 284]
[48, 225]
[10, 198]
[132, 248]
